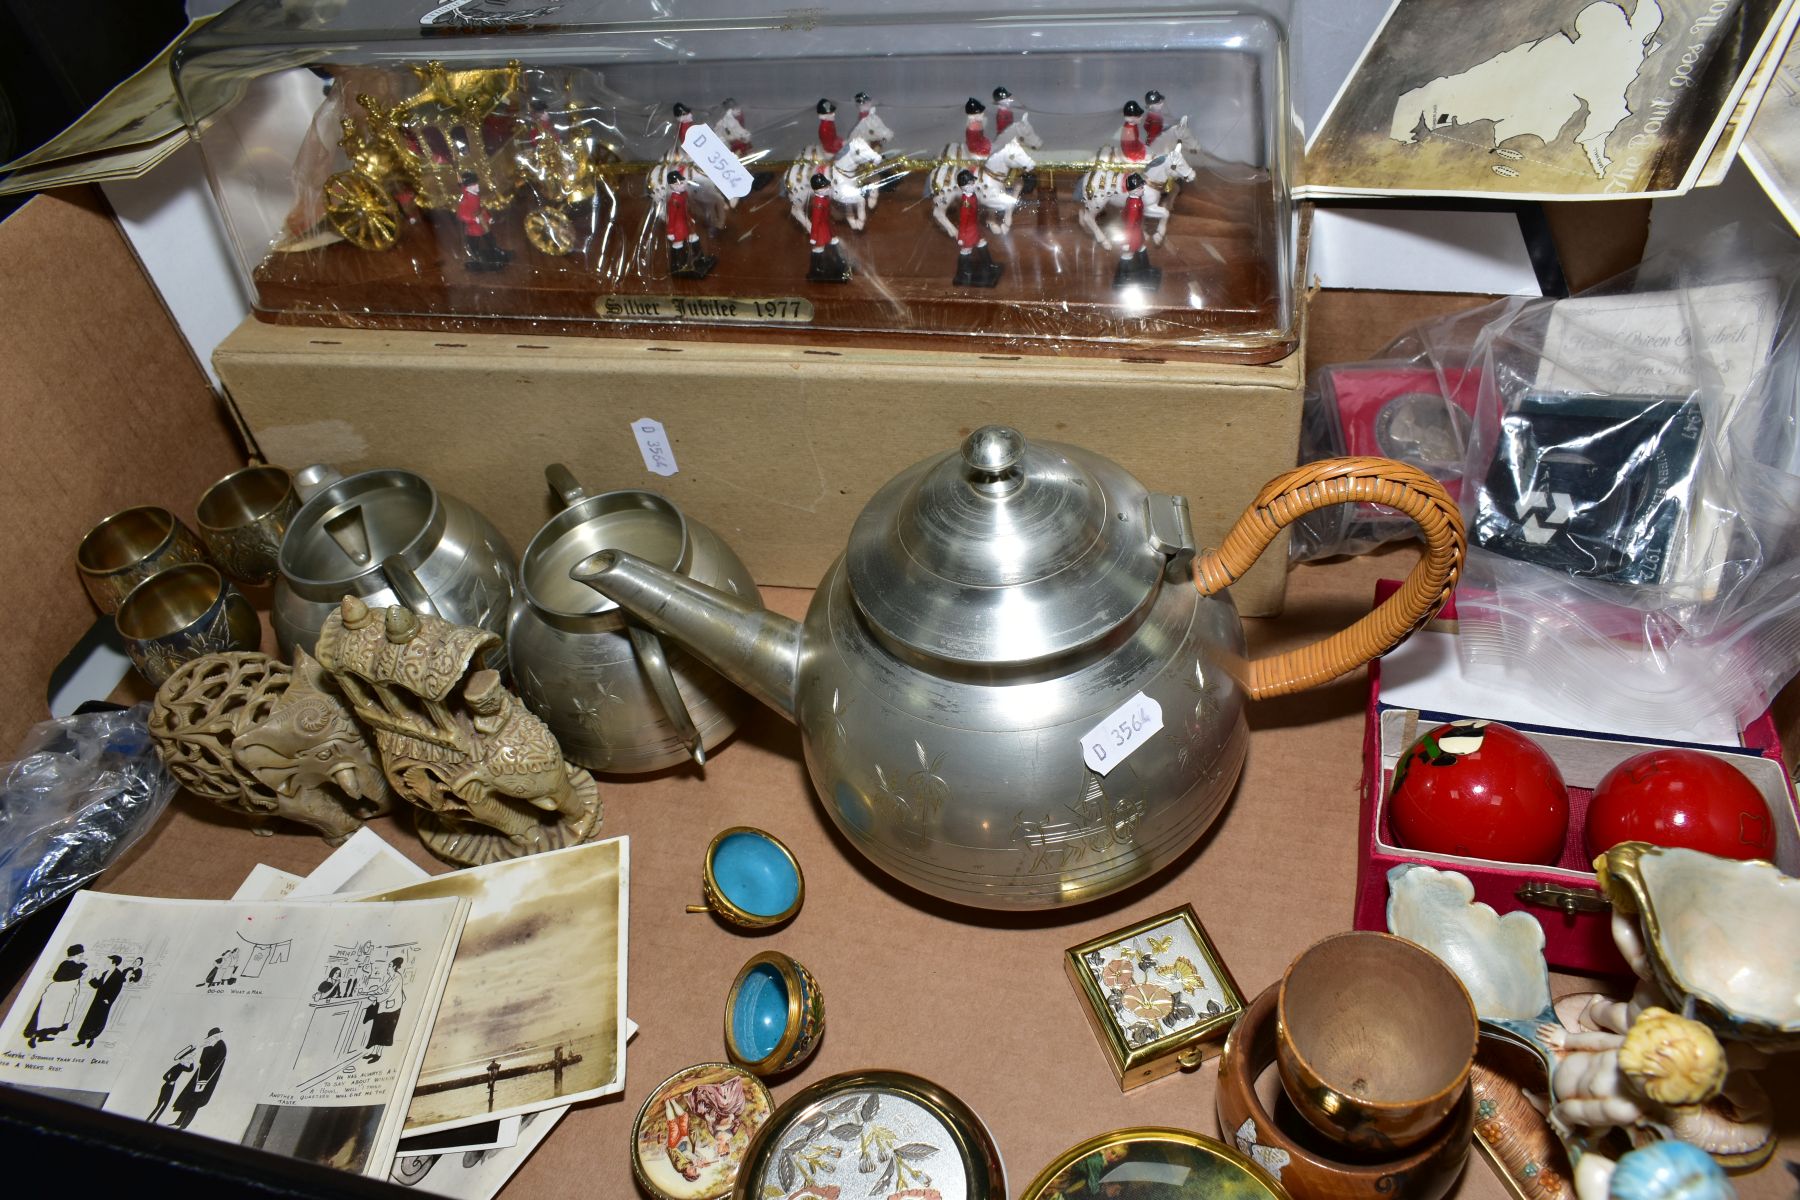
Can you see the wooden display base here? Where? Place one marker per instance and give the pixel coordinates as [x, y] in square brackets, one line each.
[1219, 299]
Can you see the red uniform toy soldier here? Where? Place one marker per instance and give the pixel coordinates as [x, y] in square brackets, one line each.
[828, 265]
[478, 228]
[975, 129]
[685, 259]
[829, 141]
[684, 121]
[1153, 116]
[975, 267]
[1003, 110]
[1134, 259]
[1131, 140]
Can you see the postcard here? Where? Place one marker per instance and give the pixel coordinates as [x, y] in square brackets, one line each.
[295, 1028]
[534, 1013]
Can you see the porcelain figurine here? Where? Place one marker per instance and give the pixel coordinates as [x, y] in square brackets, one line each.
[251, 734]
[1721, 937]
[975, 266]
[684, 121]
[685, 258]
[1134, 269]
[1009, 614]
[869, 125]
[999, 182]
[487, 779]
[830, 141]
[975, 138]
[1500, 960]
[1154, 106]
[1629, 1076]
[1659, 1171]
[1103, 187]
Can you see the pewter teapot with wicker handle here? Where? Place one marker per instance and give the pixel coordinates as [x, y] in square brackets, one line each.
[1020, 686]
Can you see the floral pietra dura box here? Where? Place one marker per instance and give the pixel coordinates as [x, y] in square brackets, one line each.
[1156, 994]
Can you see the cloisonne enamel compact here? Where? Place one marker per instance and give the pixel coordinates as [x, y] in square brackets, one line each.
[1156, 994]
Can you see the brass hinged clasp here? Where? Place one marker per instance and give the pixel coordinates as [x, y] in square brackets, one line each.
[1567, 899]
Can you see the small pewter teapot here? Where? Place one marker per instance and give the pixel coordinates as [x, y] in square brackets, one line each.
[604, 685]
[1020, 686]
[388, 537]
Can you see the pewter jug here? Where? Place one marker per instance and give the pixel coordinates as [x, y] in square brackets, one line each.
[1020, 686]
[604, 684]
[388, 537]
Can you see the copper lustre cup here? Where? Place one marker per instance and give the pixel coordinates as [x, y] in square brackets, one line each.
[1374, 1038]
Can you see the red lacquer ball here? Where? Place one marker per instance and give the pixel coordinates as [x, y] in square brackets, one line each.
[1680, 798]
[1480, 790]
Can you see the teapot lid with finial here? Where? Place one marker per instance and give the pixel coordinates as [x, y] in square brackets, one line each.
[1008, 551]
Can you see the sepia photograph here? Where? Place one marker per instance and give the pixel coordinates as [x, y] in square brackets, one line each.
[533, 1014]
[1541, 99]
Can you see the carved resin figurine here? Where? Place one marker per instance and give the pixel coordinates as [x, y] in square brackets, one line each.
[251, 734]
[487, 778]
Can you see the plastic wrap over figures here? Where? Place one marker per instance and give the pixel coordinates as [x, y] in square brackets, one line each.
[567, 219]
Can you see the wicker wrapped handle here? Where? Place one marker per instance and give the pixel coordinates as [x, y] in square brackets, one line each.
[1344, 481]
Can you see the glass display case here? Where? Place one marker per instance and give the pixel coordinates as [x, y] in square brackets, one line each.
[1062, 180]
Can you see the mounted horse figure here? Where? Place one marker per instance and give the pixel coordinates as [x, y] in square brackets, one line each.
[1104, 187]
[845, 172]
[995, 185]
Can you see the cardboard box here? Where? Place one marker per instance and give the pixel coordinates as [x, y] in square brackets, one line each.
[777, 448]
[1565, 898]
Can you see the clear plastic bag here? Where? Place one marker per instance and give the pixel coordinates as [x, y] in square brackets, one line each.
[82, 790]
[1632, 485]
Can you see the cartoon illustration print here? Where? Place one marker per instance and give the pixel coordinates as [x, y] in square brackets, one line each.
[356, 1010]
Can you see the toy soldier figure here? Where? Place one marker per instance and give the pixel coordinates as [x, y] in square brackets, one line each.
[1131, 140]
[1153, 116]
[975, 129]
[684, 121]
[1003, 110]
[740, 143]
[829, 141]
[975, 267]
[478, 228]
[1134, 260]
[865, 104]
[828, 265]
[685, 259]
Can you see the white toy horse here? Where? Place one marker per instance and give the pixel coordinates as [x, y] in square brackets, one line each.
[1020, 131]
[707, 201]
[847, 188]
[991, 188]
[1104, 187]
[871, 129]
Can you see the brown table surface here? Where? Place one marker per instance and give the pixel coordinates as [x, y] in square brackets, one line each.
[975, 1001]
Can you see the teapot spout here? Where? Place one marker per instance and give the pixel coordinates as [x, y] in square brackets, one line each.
[756, 649]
